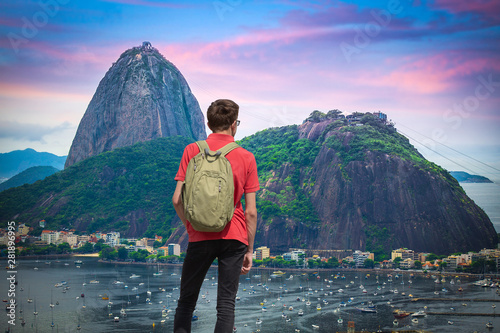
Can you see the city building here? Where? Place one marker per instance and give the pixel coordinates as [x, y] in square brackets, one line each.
[262, 253]
[294, 255]
[50, 236]
[174, 249]
[403, 254]
[359, 257]
[112, 238]
[163, 251]
[23, 229]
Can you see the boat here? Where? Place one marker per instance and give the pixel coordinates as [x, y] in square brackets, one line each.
[315, 327]
[414, 320]
[366, 310]
[489, 324]
[116, 319]
[420, 313]
[134, 276]
[78, 262]
[398, 314]
[301, 313]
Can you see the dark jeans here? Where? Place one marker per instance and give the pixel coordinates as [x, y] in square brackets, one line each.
[199, 257]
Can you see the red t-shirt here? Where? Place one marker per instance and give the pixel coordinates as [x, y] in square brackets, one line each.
[245, 181]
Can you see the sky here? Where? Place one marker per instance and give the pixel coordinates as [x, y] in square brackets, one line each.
[432, 66]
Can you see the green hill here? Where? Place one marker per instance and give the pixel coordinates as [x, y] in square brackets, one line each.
[331, 183]
[28, 176]
[127, 190]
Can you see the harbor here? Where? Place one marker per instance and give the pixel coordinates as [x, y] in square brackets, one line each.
[81, 294]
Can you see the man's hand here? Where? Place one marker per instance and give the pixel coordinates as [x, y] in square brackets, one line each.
[247, 263]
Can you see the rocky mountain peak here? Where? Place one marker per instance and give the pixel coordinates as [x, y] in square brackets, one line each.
[142, 97]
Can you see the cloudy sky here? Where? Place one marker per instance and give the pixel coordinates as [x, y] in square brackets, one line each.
[432, 66]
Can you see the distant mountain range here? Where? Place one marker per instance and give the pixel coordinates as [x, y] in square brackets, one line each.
[28, 176]
[17, 161]
[464, 177]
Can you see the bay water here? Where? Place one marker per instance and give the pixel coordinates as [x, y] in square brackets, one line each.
[266, 302]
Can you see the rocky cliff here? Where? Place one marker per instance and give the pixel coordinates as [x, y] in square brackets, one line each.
[335, 184]
[142, 97]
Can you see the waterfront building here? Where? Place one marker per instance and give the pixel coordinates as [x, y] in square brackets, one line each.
[294, 255]
[403, 254]
[163, 251]
[262, 253]
[359, 257]
[50, 236]
[112, 238]
[174, 249]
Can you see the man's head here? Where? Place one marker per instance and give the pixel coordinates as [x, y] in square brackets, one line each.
[222, 115]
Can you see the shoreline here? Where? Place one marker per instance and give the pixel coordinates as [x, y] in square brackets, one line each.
[254, 268]
[337, 269]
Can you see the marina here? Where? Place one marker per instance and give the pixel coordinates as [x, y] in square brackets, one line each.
[135, 298]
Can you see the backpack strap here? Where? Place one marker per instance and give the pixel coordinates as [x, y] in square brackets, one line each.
[228, 148]
[222, 151]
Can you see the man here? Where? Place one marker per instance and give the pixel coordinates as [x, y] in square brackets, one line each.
[233, 246]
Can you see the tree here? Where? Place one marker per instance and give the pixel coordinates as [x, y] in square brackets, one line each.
[443, 265]
[157, 244]
[369, 263]
[100, 245]
[432, 257]
[63, 248]
[418, 264]
[122, 253]
[397, 261]
[108, 253]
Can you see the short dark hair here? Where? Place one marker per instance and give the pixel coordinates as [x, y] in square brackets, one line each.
[221, 114]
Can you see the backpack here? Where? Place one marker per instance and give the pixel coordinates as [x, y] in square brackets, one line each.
[208, 191]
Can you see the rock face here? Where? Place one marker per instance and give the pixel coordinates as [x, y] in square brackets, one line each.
[367, 189]
[142, 97]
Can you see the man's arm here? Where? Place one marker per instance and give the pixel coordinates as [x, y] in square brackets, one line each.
[251, 221]
[177, 201]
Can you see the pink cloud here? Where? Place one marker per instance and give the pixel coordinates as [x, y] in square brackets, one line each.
[444, 72]
[9, 90]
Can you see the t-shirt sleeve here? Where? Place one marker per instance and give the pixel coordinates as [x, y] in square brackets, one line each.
[252, 183]
[189, 151]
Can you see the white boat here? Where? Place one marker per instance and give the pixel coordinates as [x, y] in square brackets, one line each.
[414, 320]
[134, 276]
[489, 324]
[420, 313]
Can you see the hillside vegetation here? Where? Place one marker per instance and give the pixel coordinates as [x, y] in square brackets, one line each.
[127, 190]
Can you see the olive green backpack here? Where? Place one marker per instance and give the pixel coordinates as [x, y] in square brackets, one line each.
[208, 191]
